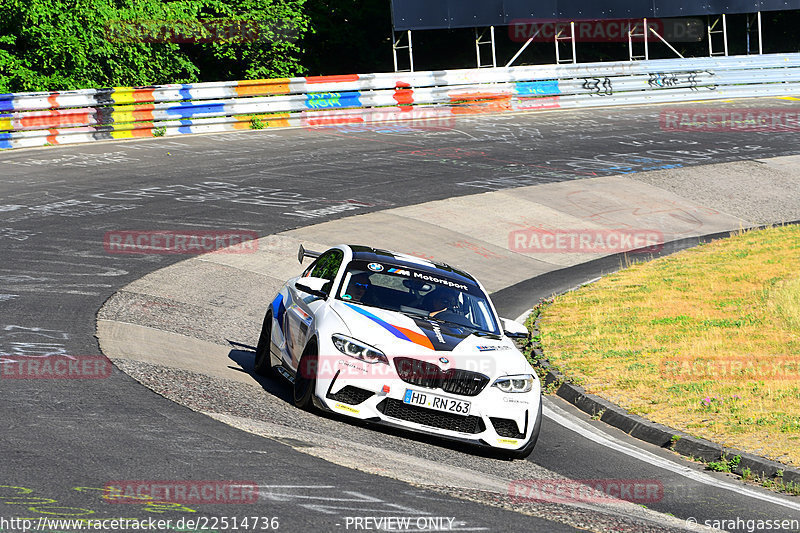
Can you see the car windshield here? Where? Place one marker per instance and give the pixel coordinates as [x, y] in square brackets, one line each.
[431, 295]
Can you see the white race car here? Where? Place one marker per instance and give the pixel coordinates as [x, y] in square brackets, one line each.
[398, 340]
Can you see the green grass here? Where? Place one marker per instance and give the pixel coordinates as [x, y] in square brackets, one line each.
[693, 340]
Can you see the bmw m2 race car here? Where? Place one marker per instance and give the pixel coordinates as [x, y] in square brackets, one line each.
[398, 340]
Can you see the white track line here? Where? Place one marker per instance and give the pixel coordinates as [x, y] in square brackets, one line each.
[568, 421]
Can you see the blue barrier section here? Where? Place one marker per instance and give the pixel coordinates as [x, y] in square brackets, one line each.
[537, 88]
[189, 109]
[5, 141]
[186, 92]
[7, 102]
[333, 100]
[186, 126]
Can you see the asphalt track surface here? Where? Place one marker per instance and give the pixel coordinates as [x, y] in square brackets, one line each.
[57, 204]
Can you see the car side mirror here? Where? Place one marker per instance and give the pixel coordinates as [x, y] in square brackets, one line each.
[312, 286]
[514, 330]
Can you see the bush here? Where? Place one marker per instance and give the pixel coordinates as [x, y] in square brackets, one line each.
[48, 45]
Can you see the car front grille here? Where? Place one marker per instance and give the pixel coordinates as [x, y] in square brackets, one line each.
[419, 373]
[428, 417]
[430, 376]
[506, 427]
[351, 395]
[463, 382]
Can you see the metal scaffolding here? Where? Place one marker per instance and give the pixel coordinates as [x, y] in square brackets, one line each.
[640, 35]
[396, 45]
[480, 41]
[643, 30]
[722, 31]
[754, 20]
[638, 30]
[562, 36]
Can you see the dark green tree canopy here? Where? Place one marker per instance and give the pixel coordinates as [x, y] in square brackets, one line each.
[72, 44]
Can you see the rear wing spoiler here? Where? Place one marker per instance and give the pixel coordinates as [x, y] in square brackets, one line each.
[302, 253]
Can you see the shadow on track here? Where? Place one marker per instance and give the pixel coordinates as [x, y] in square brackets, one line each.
[282, 390]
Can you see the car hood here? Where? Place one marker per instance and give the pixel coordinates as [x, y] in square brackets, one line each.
[397, 334]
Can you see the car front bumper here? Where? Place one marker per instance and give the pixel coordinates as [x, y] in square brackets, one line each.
[496, 419]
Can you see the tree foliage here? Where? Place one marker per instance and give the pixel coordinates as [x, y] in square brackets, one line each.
[72, 44]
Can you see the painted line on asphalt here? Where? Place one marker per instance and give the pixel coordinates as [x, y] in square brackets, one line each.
[568, 421]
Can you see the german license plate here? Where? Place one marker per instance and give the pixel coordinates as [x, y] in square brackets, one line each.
[434, 401]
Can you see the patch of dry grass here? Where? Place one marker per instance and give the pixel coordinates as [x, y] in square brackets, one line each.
[786, 302]
[706, 340]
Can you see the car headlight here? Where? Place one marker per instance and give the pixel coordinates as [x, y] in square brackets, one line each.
[358, 350]
[520, 383]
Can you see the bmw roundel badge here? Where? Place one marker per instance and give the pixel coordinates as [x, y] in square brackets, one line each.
[444, 360]
[375, 267]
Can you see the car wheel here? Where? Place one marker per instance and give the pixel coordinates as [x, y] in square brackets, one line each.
[305, 380]
[262, 365]
[525, 451]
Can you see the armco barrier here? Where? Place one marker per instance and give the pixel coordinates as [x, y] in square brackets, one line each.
[37, 119]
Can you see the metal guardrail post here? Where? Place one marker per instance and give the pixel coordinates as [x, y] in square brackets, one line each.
[632, 32]
[574, 54]
[397, 46]
[558, 37]
[410, 52]
[479, 42]
[723, 32]
[494, 51]
[760, 42]
[754, 20]
[630, 42]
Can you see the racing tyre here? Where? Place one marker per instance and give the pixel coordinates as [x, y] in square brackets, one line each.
[305, 380]
[262, 365]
